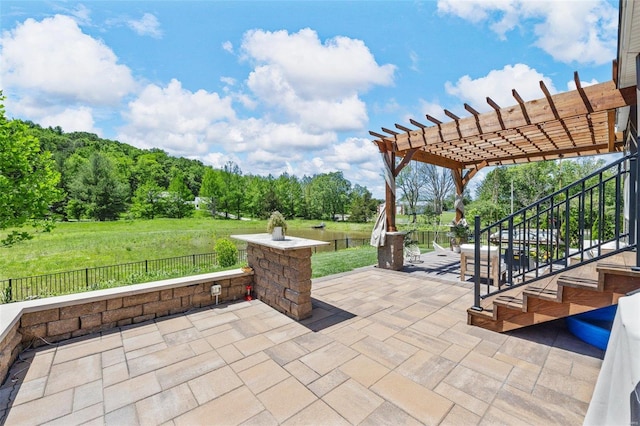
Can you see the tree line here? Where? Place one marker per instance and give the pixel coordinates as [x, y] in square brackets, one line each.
[45, 172]
[101, 179]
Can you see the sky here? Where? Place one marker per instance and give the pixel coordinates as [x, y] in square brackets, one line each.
[288, 86]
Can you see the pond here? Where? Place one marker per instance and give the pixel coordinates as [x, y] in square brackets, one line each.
[337, 239]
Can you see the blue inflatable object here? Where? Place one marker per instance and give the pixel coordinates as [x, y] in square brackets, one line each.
[593, 327]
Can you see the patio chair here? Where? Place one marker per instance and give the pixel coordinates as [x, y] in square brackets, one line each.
[412, 254]
[491, 267]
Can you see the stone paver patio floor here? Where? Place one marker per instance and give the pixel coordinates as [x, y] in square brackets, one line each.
[382, 347]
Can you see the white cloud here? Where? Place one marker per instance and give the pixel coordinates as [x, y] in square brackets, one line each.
[227, 46]
[71, 120]
[217, 160]
[433, 109]
[261, 134]
[174, 119]
[314, 69]
[571, 84]
[313, 83]
[80, 13]
[582, 31]
[148, 25]
[352, 152]
[68, 118]
[316, 114]
[415, 60]
[55, 61]
[357, 158]
[498, 85]
[230, 81]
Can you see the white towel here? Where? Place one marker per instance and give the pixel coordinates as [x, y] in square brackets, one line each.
[380, 229]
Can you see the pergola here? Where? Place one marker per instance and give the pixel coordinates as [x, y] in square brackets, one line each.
[580, 122]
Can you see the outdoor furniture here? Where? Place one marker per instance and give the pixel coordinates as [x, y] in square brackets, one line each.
[412, 253]
[490, 266]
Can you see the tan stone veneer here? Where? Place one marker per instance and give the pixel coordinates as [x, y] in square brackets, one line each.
[282, 279]
[37, 322]
[282, 271]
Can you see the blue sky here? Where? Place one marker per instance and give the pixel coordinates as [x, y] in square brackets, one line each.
[288, 86]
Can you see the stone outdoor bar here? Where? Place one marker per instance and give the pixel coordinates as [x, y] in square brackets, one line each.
[282, 272]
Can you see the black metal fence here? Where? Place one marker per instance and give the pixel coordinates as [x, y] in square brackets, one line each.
[427, 238]
[25, 288]
[335, 245]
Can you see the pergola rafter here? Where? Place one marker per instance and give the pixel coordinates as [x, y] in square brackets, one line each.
[580, 122]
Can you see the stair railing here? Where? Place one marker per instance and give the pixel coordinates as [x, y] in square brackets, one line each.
[582, 222]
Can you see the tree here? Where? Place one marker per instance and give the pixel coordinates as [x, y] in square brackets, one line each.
[177, 202]
[233, 196]
[289, 194]
[147, 201]
[363, 206]
[211, 189]
[411, 182]
[100, 188]
[75, 209]
[254, 196]
[149, 167]
[438, 185]
[28, 178]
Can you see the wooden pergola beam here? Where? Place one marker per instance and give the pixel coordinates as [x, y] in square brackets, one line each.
[602, 97]
[595, 149]
[569, 124]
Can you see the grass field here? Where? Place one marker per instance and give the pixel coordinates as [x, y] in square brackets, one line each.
[77, 245]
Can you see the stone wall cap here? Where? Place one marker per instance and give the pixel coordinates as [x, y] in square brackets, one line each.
[289, 243]
[10, 313]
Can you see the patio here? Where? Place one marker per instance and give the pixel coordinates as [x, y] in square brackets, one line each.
[382, 347]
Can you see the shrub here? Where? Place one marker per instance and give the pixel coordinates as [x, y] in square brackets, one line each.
[226, 252]
[276, 219]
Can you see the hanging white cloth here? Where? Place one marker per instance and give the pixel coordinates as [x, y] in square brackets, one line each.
[616, 397]
[380, 229]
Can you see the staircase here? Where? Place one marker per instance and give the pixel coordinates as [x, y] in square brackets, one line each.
[576, 274]
[589, 286]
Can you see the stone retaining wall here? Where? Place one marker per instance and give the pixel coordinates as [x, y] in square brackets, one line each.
[60, 318]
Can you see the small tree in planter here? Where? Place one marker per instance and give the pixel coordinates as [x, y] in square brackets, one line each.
[277, 226]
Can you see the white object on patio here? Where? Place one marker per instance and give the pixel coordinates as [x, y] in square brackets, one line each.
[439, 249]
[616, 397]
[489, 257]
[412, 253]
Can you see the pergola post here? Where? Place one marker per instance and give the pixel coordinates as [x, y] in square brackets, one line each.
[390, 190]
[460, 185]
[390, 255]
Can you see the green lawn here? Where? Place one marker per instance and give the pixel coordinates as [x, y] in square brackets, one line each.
[329, 263]
[78, 245]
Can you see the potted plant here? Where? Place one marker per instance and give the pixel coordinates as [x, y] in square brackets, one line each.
[458, 233]
[277, 226]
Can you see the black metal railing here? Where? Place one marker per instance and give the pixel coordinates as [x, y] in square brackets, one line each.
[25, 288]
[579, 223]
[341, 244]
[429, 237]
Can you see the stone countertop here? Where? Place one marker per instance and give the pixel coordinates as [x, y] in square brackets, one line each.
[289, 243]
